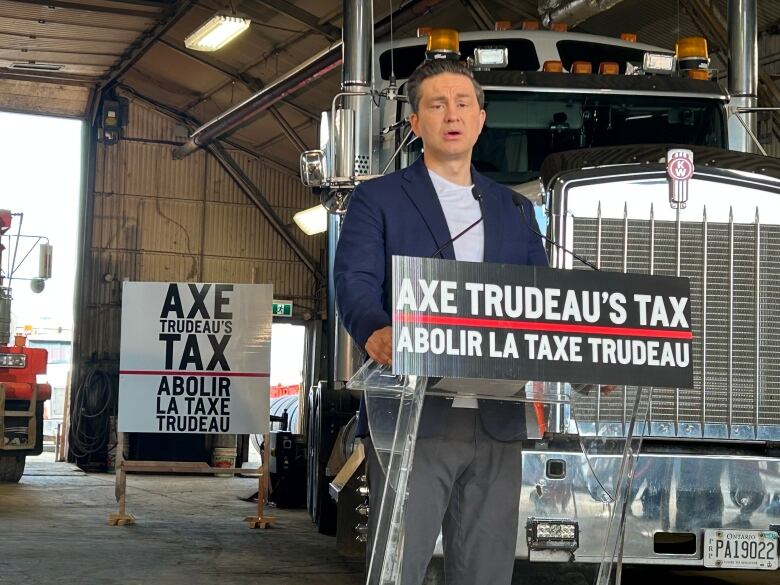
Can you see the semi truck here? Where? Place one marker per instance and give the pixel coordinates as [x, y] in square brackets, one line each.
[581, 125]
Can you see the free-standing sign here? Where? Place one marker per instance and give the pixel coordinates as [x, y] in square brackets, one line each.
[195, 358]
[497, 321]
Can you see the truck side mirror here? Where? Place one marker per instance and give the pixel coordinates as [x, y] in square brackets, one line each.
[313, 168]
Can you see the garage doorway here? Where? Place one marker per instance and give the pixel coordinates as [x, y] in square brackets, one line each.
[288, 358]
[40, 185]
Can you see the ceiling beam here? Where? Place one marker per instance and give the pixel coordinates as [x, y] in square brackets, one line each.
[162, 4]
[262, 146]
[316, 67]
[256, 196]
[512, 5]
[292, 11]
[92, 8]
[246, 112]
[60, 78]
[287, 129]
[52, 37]
[191, 122]
[279, 48]
[480, 14]
[81, 25]
[252, 83]
[142, 44]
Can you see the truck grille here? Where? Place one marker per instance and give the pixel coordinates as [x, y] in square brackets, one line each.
[735, 304]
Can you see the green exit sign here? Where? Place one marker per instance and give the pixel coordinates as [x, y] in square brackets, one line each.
[282, 309]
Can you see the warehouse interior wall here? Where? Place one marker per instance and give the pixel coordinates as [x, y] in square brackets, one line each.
[155, 219]
[149, 218]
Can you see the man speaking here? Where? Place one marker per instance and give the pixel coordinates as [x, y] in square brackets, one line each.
[465, 480]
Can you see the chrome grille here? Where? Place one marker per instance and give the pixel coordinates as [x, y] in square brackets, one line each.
[736, 390]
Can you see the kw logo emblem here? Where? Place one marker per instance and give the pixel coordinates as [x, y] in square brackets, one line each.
[680, 166]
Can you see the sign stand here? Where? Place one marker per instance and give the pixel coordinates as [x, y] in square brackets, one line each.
[260, 521]
[123, 467]
[194, 358]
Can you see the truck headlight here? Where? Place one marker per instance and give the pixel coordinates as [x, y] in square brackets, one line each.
[491, 57]
[659, 63]
[552, 533]
[13, 360]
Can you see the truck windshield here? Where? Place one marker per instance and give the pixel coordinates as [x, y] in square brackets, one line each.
[523, 128]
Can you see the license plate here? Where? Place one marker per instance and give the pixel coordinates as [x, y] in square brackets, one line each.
[740, 549]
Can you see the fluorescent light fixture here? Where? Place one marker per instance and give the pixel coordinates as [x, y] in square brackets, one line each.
[216, 32]
[313, 220]
[33, 66]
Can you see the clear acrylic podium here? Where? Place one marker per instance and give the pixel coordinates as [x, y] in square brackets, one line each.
[399, 399]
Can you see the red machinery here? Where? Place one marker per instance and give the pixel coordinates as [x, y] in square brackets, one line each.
[21, 396]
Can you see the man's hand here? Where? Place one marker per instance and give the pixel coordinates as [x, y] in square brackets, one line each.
[380, 346]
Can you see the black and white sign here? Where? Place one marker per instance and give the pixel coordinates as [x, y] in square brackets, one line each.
[195, 358]
[494, 321]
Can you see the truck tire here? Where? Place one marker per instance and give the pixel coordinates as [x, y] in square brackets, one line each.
[328, 411]
[11, 468]
[321, 506]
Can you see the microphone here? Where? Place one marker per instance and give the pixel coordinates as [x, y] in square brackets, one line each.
[519, 200]
[477, 194]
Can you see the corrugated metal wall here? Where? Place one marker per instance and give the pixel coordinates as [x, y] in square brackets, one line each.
[158, 219]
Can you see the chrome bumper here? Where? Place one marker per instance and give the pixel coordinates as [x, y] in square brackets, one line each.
[683, 494]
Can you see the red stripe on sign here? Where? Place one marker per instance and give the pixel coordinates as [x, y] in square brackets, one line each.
[194, 373]
[540, 326]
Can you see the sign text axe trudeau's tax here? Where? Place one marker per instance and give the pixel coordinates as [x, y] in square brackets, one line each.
[195, 358]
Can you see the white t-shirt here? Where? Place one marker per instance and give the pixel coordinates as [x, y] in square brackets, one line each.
[461, 210]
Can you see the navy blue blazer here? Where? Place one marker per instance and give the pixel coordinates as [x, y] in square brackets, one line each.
[400, 214]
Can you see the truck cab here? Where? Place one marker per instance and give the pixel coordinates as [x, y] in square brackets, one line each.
[557, 92]
[607, 108]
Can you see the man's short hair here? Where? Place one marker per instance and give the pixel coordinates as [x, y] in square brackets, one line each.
[437, 67]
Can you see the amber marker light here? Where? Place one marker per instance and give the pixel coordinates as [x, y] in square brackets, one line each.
[609, 68]
[582, 67]
[700, 74]
[552, 67]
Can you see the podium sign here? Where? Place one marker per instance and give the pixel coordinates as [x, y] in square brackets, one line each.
[500, 321]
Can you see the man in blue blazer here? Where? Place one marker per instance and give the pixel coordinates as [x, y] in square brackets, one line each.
[466, 474]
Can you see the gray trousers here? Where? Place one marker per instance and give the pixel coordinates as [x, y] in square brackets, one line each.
[466, 484]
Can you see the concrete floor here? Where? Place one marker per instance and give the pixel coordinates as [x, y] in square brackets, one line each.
[189, 531]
